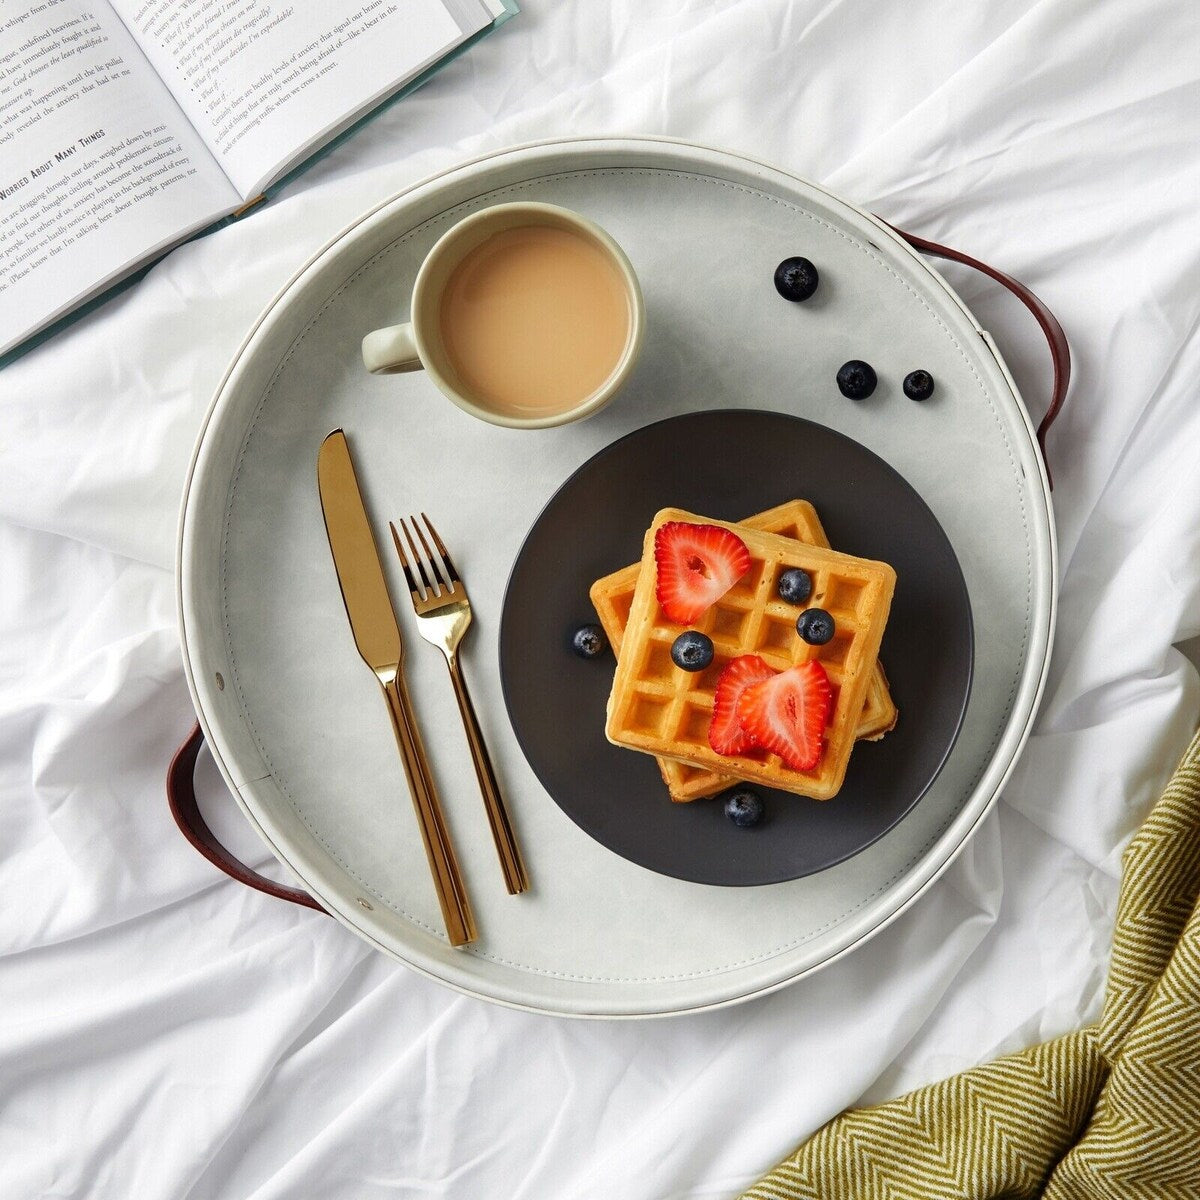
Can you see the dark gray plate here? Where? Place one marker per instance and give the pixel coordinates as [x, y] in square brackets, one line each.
[729, 465]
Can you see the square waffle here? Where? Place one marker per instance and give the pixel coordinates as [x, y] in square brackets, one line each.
[612, 597]
[659, 709]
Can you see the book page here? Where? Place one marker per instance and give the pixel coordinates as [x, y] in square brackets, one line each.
[266, 83]
[99, 169]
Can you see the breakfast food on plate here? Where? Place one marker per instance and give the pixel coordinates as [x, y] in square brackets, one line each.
[796, 706]
[612, 597]
[692, 651]
[589, 641]
[795, 585]
[816, 626]
[744, 807]
[695, 566]
[726, 733]
[786, 714]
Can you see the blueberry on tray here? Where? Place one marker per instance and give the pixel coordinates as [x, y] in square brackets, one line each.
[918, 385]
[796, 279]
[856, 379]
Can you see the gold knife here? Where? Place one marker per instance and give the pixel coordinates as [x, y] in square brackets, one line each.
[377, 636]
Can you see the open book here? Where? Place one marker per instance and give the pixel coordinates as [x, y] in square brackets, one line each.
[127, 126]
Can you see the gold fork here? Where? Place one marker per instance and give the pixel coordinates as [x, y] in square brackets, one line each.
[443, 615]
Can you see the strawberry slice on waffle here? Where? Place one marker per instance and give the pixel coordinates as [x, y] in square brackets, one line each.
[697, 565]
[726, 734]
[787, 713]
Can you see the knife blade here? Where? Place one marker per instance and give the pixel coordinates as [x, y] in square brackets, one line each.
[377, 637]
[356, 557]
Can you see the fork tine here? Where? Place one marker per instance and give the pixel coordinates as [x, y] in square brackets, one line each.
[408, 575]
[441, 565]
[429, 588]
[429, 554]
[437, 541]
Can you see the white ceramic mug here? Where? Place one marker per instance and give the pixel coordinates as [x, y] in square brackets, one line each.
[419, 343]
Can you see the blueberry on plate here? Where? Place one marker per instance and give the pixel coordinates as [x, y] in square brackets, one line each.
[856, 379]
[692, 651]
[744, 807]
[815, 626]
[796, 279]
[918, 385]
[794, 586]
[588, 641]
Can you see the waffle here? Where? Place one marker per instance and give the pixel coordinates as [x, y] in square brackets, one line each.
[612, 597]
[658, 709]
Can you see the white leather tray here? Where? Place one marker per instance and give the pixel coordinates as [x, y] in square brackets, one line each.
[294, 719]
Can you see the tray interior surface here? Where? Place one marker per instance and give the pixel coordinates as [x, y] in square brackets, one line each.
[297, 723]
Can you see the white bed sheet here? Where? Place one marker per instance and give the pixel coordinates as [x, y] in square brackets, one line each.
[167, 1034]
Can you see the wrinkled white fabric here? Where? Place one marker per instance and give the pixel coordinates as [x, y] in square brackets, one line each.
[170, 1035]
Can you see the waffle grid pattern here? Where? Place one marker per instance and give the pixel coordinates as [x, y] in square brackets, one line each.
[612, 597]
[659, 709]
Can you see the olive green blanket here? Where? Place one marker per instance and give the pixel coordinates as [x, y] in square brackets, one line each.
[1112, 1111]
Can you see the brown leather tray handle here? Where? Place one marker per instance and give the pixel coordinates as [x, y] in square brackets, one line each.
[181, 788]
[1060, 352]
[181, 796]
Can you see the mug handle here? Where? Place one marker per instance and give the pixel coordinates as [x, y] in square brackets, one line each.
[391, 351]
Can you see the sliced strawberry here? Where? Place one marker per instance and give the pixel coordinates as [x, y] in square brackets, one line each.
[725, 732]
[697, 565]
[787, 713]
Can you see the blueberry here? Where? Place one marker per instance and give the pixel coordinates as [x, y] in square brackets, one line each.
[815, 626]
[856, 379]
[588, 641]
[796, 279]
[692, 651]
[744, 807]
[794, 586]
[918, 385]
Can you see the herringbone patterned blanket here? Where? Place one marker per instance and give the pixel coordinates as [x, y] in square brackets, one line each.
[1109, 1113]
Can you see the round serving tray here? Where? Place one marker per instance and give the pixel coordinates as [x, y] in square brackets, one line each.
[294, 719]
